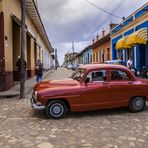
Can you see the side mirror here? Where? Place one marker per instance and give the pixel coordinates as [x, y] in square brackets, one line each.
[87, 80]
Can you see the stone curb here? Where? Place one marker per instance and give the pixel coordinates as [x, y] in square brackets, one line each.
[14, 91]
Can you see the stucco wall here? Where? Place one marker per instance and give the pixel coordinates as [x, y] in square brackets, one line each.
[87, 56]
[104, 47]
[97, 52]
[0, 5]
[15, 9]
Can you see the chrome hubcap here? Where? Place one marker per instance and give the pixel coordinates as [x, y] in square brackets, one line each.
[138, 103]
[56, 110]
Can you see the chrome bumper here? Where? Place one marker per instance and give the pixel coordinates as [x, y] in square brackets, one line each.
[35, 106]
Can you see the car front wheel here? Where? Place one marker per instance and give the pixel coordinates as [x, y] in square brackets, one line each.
[137, 104]
[56, 109]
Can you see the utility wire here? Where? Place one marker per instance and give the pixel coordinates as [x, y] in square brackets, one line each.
[114, 10]
[99, 15]
[103, 9]
[75, 14]
[118, 6]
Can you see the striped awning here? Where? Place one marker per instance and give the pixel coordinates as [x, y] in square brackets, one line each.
[121, 43]
[138, 37]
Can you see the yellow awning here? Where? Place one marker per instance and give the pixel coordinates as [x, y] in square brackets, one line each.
[138, 37]
[121, 44]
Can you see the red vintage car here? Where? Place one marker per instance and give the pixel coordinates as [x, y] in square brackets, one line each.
[91, 87]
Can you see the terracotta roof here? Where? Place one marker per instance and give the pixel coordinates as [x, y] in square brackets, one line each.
[85, 49]
[101, 41]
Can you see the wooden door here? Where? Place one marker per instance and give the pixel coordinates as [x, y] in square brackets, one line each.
[2, 62]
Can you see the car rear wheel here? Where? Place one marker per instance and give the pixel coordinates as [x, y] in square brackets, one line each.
[137, 104]
[56, 109]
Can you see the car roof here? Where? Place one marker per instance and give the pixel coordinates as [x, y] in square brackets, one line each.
[114, 61]
[95, 66]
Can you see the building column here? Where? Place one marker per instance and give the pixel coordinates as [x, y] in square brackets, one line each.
[32, 52]
[114, 52]
[137, 59]
[147, 58]
[124, 55]
[16, 49]
[133, 56]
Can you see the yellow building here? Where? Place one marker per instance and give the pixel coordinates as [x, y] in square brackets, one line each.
[37, 43]
[101, 49]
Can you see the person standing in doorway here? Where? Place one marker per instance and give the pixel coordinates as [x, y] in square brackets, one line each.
[39, 74]
[129, 63]
[18, 64]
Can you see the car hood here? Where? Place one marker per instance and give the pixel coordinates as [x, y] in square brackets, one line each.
[55, 83]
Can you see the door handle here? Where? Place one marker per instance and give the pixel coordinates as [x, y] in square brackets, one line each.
[105, 83]
[130, 82]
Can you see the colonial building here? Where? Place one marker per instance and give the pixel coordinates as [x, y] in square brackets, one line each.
[101, 48]
[87, 55]
[129, 39]
[70, 58]
[37, 44]
[79, 58]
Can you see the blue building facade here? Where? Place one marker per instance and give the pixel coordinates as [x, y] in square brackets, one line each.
[133, 27]
[87, 55]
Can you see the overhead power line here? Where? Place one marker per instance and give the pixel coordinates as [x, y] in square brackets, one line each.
[75, 14]
[120, 4]
[99, 15]
[103, 9]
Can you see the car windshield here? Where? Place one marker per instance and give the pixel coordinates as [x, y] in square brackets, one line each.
[78, 74]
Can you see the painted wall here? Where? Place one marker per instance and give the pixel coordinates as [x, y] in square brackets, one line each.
[103, 49]
[47, 60]
[0, 5]
[95, 55]
[15, 9]
[87, 54]
[100, 53]
[12, 43]
[134, 16]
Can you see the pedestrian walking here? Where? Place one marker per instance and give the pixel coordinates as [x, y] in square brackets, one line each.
[38, 62]
[18, 64]
[39, 73]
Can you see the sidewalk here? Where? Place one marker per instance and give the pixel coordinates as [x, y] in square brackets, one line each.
[15, 90]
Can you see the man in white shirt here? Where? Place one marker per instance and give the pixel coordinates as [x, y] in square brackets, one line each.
[129, 63]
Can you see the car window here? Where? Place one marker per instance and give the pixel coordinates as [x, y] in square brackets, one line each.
[119, 75]
[97, 76]
[78, 74]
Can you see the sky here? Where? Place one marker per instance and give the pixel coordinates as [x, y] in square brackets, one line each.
[81, 20]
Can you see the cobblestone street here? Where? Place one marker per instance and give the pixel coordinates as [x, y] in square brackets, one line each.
[21, 127]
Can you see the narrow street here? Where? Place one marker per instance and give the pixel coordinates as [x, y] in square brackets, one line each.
[21, 127]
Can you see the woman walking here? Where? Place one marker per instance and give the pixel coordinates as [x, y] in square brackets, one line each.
[39, 74]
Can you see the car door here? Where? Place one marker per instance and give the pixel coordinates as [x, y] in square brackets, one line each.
[95, 92]
[122, 87]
